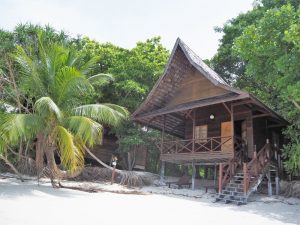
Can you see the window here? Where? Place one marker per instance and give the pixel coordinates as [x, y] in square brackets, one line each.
[200, 134]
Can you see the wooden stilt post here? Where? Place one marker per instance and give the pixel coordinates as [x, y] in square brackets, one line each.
[245, 178]
[220, 177]
[232, 128]
[255, 164]
[269, 183]
[193, 175]
[162, 171]
[193, 143]
[215, 176]
[162, 168]
[277, 183]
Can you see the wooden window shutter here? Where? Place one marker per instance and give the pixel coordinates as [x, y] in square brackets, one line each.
[200, 134]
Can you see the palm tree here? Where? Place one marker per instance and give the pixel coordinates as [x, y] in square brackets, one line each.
[55, 87]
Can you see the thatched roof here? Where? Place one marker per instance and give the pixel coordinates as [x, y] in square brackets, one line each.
[182, 62]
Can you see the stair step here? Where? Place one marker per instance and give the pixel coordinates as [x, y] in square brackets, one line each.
[234, 189]
[234, 185]
[232, 193]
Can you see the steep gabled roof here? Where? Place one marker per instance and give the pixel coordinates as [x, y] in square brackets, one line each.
[180, 48]
[198, 63]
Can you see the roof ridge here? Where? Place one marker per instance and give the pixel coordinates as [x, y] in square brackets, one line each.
[200, 64]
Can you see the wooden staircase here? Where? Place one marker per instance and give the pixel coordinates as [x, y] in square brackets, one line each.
[238, 179]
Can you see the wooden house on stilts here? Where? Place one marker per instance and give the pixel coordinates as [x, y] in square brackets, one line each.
[212, 123]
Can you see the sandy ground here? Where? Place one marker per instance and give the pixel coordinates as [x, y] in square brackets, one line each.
[27, 203]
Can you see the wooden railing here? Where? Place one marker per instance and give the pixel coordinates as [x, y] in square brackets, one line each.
[210, 144]
[228, 170]
[256, 166]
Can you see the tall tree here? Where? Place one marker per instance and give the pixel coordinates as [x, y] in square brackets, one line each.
[135, 70]
[229, 64]
[271, 50]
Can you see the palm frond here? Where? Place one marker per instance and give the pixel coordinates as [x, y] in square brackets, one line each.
[71, 155]
[30, 81]
[3, 146]
[85, 128]
[88, 66]
[101, 77]
[15, 127]
[70, 84]
[25, 62]
[45, 107]
[119, 109]
[108, 114]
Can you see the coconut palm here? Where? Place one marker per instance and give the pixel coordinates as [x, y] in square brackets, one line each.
[55, 86]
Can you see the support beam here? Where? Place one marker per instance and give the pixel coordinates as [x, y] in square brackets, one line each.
[269, 183]
[162, 171]
[232, 128]
[163, 133]
[277, 187]
[215, 176]
[220, 177]
[193, 175]
[261, 115]
[226, 107]
[194, 121]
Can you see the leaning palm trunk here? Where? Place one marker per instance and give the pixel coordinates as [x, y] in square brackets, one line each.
[53, 172]
[129, 178]
[4, 158]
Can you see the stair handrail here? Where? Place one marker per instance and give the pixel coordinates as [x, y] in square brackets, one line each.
[226, 175]
[256, 165]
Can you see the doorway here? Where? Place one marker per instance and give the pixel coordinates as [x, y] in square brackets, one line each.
[240, 131]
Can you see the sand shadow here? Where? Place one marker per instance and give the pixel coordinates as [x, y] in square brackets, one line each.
[12, 188]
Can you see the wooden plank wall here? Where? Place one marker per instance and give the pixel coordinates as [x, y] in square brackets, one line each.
[221, 115]
[195, 86]
[259, 132]
[202, 118]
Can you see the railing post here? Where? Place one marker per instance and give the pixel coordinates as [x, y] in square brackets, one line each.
[211, 144]
[232, 168]
[193, 175]
[176, 146]
[193, 145]
[245, 178]
[255, 163]
[220, 177]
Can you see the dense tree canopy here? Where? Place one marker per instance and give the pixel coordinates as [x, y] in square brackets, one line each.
[259, 52]
[135, 70]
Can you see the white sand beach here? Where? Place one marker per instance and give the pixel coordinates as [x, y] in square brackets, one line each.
[29, 204]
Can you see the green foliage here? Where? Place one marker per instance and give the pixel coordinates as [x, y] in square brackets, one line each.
[135, 70]
[54, 82]
[230, 65]
[259, 52]
[272, 54]
[130, 134]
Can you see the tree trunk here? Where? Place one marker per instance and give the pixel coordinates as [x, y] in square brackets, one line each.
[39, 155]
[57, 173]
[12, 167]
[20, 151]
